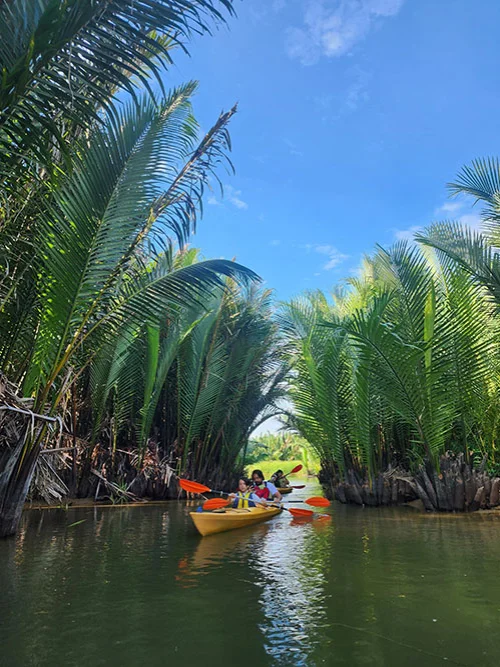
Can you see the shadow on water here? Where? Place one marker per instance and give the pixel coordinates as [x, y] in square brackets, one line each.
[123, 586]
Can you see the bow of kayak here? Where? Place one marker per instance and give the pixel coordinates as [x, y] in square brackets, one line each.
[208, 523]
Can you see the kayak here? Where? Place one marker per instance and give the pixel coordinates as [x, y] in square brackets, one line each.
[286, 489]
[208, 523]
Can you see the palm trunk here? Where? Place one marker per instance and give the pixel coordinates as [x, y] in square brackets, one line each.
[16, 474]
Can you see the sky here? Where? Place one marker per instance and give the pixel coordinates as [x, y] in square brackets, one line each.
[352, 117]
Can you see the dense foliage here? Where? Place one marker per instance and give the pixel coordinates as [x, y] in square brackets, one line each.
[402, 365]
[108, 324]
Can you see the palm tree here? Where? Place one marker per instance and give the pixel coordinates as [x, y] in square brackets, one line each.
[229, 378]
[62, 62]
[93, 188]
[396, 370]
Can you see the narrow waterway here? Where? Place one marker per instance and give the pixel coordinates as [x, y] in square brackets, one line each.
[137, 585]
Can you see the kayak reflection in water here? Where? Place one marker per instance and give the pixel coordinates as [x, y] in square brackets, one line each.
[244, 497]
[279, 480]
[265, 490]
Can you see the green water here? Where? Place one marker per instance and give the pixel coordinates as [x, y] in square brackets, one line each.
[133, 586]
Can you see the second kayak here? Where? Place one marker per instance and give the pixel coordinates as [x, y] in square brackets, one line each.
[208, 523]
[286, 489]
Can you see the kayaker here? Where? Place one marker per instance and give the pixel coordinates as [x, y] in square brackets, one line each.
[265, 490]
[244, 497]
[279, 480]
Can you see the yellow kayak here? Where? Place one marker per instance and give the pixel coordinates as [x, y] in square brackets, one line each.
[209, 523]
[285, 489]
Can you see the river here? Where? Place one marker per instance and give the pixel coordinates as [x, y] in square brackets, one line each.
[137, 585]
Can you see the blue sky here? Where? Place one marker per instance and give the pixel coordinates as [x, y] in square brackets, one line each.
[353, 115]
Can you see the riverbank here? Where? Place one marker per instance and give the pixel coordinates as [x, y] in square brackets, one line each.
[85, 503]
[416, 507]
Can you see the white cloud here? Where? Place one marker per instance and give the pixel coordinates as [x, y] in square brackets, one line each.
[333, 27]
[334, 256]
[407, 234]
[231, 195]
[472, 220]
[234, 196]
[449, 207]
[275, 242]
[461, 212]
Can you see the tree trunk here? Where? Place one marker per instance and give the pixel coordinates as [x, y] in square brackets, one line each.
[16, 474]
[494, 494]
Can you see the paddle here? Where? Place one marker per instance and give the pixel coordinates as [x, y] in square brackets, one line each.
[196, 487]
[296, 469]
[219, 503]
[315, 501]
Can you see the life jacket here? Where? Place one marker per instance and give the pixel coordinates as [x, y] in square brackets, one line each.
[242, 501]
[263, 493]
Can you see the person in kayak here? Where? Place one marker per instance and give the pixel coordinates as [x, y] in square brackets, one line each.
[279, 480]
[244, 497]
[264, 490]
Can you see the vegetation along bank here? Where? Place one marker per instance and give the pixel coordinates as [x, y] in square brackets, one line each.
[129, 360]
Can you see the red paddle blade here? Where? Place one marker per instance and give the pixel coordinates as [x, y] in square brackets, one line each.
[193, 487]
[318, 501]
[215, 504]
[300, 486]
[294, 511]
[296, 469]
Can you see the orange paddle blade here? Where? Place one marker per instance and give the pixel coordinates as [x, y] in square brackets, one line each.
[300, 486]
[294, 511]
[193, 487]
[215, 503]
[296, 469]
[318, 501]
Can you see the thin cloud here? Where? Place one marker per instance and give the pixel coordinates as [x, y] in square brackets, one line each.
[334, 256]
[234, 196]
[357, 91]
[275, 242]
[471, 220]
[230, 195]
[293, 148]
[448, 207]
[407, 234]
[331, 28]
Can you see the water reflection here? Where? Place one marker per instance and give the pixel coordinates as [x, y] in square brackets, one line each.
[292, 569]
